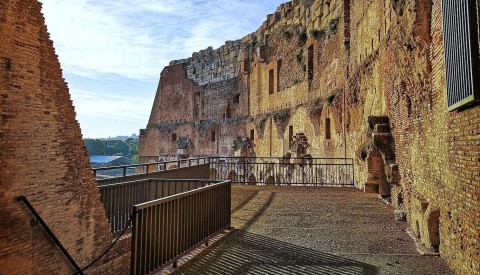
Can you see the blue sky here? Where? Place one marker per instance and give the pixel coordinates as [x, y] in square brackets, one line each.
[112, 51]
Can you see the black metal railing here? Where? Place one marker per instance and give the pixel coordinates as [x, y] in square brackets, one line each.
[165, 229]
[145, 168]
[52, 236]
[119, 199]
[282, 171]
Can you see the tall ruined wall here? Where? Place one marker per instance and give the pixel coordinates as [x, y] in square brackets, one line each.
[306, 53]
[42, 156]
[364, 80]
[202, 98]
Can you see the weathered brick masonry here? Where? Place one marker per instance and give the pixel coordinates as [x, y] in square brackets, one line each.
[42, 156]
[362, 79]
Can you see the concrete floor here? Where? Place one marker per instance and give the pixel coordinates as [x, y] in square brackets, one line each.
[312, 230]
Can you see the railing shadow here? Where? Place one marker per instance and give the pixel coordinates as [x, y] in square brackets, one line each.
[243, 252]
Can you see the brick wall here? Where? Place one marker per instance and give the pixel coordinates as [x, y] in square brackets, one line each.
[370, 58]
[42, 155]
[198, 97]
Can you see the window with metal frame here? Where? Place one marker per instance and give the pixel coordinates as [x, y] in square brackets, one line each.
[461, 39]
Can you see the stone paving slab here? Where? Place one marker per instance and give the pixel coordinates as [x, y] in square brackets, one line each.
[312, 230]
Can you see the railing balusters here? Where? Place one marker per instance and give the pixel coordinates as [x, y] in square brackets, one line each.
[309, 172]
[118, 199]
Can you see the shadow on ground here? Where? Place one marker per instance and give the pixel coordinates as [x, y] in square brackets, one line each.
[243, 252]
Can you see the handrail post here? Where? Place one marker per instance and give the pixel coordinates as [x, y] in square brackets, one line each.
[124, 171]
[353, 172]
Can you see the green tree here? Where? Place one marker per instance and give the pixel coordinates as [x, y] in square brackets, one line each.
[135, 158]
[133, 148]
[94, 146]
[121, 147]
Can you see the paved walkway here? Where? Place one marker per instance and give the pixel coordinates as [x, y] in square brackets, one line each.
[312, 230]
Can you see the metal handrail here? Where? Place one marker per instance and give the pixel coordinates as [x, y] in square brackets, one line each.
[145, 165]
[284, 171]
[178, 196]
[167, 228]
[50, 234]
[291, 158]
[118, 199]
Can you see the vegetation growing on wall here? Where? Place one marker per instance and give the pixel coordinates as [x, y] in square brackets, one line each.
[332, 26]
[302, 38]
[287, 36]
[315, 34]
[299, 56]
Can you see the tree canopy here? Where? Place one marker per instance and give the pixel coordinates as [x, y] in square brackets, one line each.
[127, 148]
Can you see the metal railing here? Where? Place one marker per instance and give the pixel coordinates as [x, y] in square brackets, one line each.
[119, 199]
[52, 236]
[282, 171]
[145, 168]
[165, 229]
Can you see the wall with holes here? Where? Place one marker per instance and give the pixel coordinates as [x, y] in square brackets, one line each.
[43, 157]
[361, 79]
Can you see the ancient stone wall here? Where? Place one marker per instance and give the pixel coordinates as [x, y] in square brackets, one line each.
[436, 151]
[43, 158]
[363, 80]
[203, 98]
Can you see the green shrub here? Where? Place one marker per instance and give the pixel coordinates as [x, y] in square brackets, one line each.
[287, 36]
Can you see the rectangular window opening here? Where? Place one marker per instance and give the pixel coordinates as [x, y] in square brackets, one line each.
[328, 134]
[279, 66]
[290, 136]
[213, 136]
[252, 134]
[174, 137]
[271, 81]
[236, 98]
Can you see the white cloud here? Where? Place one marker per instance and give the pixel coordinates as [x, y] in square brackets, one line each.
[137, 38]
[134, 40]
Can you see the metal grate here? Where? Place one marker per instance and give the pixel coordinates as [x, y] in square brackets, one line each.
[460, 39]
